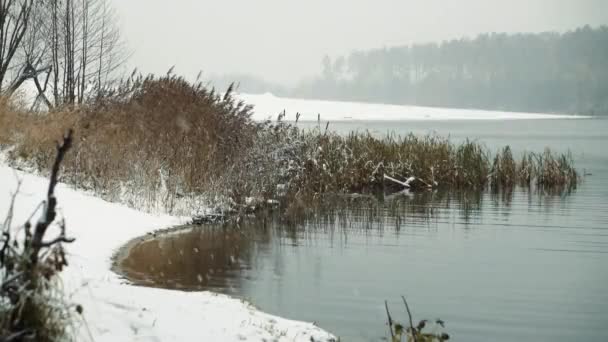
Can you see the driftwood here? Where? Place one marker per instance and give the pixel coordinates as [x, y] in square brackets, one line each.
[405, 184]
[413, 183]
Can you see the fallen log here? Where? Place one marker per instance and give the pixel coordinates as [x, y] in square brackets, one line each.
[405, 184]
[412, 182]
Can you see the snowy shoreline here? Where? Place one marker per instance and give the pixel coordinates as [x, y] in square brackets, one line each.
[115, 310]
[268, 106]
[124, 250]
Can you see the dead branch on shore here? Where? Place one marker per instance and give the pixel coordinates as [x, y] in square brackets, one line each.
[30, 307]
[49, 213]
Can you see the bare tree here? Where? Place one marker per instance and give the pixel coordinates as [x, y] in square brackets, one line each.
[86, 48]
[74, 44]
[31, 57]
[14, 20]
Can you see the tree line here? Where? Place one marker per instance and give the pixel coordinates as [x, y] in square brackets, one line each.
[541, 72]
[69, 49]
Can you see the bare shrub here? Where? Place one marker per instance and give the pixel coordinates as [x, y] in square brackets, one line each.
[32, 305]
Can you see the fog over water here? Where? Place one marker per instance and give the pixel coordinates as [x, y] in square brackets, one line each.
[284, 41]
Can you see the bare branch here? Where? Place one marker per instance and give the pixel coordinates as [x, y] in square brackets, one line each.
[48, 216]
[10, 280]
[390, 321]
[55, 241]
[18, 336]
[409, 314]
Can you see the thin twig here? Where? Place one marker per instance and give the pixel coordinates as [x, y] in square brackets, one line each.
[390, 321]
[6, 230]
[40, 205]
[10, 280]
[9, 217]
[17, 336]
[409, 314]
[54, 241]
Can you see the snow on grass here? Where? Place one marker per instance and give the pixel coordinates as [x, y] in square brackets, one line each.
[268, 106]
[117, 311]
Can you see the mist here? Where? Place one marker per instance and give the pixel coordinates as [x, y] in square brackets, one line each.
[285, 41]
[335, 164]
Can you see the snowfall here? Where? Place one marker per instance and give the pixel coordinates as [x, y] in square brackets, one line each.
[115, 310]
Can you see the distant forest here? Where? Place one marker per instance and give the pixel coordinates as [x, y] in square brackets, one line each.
[542, 72]
[545, 72]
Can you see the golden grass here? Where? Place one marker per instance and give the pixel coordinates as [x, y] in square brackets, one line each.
[160, 139]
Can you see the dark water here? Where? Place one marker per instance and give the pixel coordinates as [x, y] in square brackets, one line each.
[508, 267]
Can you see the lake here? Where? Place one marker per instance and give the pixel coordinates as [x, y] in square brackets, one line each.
[520, 266]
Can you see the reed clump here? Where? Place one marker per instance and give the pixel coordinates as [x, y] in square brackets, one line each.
[165, 143]
[546, 170]
[504, 169]
[358, 161]
[149, 142]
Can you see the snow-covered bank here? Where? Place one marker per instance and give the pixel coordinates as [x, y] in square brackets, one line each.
[116, 311]
[269, 106]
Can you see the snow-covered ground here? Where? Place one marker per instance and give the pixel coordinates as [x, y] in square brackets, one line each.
[268, 106]
[116, 311]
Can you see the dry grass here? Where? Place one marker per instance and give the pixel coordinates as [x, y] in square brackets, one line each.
[504, 169]
[357, 162]
[547, 170]
[169, 144]
[9, 121]
[154, 140]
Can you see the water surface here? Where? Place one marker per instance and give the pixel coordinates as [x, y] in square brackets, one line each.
[521, 266]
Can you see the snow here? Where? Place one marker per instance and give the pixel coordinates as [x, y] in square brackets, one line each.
[117, 311]
[268, 106]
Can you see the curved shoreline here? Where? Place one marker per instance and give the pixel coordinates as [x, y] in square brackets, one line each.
[115, 310]
[124, 250]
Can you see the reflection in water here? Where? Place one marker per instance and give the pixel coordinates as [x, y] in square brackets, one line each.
[195, 258]
[518, 266]
[514, 266]
[209, 257]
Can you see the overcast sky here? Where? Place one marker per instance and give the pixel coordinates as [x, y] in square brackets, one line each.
[284, 40]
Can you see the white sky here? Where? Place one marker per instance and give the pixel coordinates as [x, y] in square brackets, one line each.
[284, 40]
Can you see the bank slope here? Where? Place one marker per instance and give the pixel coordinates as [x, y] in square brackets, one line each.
[117, 311]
